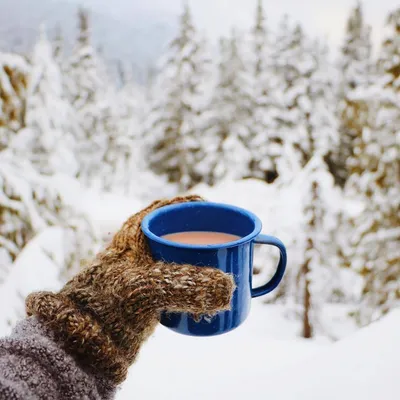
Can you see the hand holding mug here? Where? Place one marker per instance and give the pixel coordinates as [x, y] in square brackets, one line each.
[105, 313]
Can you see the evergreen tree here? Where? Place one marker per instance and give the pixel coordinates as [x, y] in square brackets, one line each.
[132, 102]
[308, 97]
[316, 275]
[355, 68]
[374, 247]
[91, 96]
[49, 126]
[308, 130]
[14, 71]
[321, 122]
[296, 66]
[150, 76]
[389, 62]
[58, 45]
[227, 136]
[124, 150]
[315, 272]
[172, 128]
[259, 36]
[28, 204]
[265, 143]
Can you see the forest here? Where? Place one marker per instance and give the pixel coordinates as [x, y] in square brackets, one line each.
[263, 112]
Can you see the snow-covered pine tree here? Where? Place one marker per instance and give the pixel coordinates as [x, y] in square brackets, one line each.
[132, 175]
[132, 102]
[280, 46]
[149, 81]
[295, 65]
[48, 132]
[308, 127]
[29, 203]
[124, 153]
[14, 71]
[321, 122]
[172, 127]
[317, 273]
[374, 249]
[259, 36]
[312, 257]
[91, 95]
[315, 276]
[264, 143]
[58, 45]
[229, 126]
[355, 70]
[308, 99]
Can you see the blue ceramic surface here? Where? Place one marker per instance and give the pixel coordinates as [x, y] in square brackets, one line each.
[235, 258]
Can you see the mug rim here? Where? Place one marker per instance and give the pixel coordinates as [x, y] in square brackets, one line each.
[149, 234]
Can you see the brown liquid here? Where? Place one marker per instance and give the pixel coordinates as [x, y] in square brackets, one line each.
[198, 237]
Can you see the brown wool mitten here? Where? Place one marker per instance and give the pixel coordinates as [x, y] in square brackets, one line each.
[104, 314]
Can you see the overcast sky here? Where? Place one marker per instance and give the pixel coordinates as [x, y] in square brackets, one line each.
[216, 17]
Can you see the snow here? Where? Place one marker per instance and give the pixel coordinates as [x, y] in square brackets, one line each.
[219, 367]
[106, 211]
[36, 268]
[362, 366]
[264, 356]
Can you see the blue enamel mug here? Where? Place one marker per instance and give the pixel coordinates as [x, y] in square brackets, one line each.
[234, 258]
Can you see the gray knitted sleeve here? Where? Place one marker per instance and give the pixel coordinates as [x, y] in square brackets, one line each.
[34, 367]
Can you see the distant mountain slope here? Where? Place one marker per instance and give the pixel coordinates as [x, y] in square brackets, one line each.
[139, 42]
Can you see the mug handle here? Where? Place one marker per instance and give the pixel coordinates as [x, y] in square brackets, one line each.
[275, 280]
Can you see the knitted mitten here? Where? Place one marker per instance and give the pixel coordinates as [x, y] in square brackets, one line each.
[104, 314]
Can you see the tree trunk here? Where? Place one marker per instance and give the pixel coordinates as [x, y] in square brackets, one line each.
[307, 327]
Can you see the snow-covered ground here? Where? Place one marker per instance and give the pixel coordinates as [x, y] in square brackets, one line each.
[263, 359]
[36, 268]
[174, 366]
[106, 211]
[362, 366]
